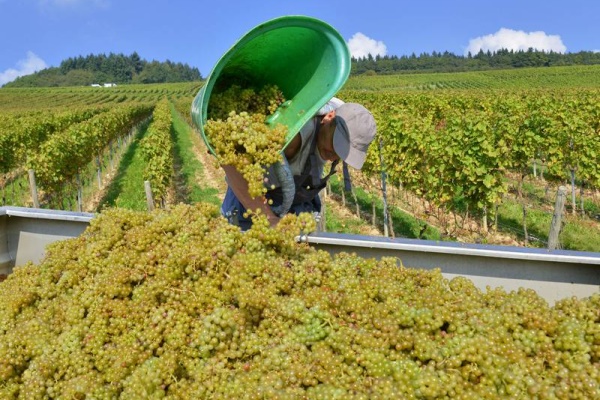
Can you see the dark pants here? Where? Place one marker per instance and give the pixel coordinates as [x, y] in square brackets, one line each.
[234, 211]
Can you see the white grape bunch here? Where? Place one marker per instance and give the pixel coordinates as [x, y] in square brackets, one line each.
[180, 304]
[240, 137]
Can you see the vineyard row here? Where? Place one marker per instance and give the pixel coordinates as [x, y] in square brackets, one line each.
[446, 146]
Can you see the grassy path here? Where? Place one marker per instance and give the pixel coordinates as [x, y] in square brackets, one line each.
[191, 183]
[126, 190]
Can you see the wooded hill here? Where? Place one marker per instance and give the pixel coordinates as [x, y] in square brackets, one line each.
[112, 68]
[449, 62]
[120, 68]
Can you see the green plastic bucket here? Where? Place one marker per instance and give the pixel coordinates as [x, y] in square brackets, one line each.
[305, 57]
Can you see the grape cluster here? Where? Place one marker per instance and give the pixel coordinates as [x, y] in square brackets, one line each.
[179, 304]
[240, 137]
[236, 98]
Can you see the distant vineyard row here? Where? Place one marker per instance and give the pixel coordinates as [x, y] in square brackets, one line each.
[25, 100]
[442, 144]
[58, 132]
[584, 76]
[446, 145]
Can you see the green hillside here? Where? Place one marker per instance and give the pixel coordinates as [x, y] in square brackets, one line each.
[112, 68]
[579, 76]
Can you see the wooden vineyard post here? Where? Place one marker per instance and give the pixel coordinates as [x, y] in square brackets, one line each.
[496, 206]
[149, 199]
[581, 202]
[79, 194]
[557, 218]
[34, 192]
[484, 220]
[373, 212]
[321, 215]
[525, 224]
[111, 155]
[99, 172]
[347, 187]
[386, 216]
[356, 202]
[573, 198]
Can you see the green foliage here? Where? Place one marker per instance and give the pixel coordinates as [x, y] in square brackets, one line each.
[156, 148]
[22, 134]
[449, 62]
[450, 144]
[58, 99]
[581, 76]
[114, 68]
[60, 158]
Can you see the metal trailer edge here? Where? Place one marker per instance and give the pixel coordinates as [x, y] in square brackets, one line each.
[553, 274]
[557, 274]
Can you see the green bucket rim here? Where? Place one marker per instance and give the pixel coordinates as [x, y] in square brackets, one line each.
[297, 21]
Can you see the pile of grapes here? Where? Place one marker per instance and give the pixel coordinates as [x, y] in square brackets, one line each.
[237, 131]
[179, 304]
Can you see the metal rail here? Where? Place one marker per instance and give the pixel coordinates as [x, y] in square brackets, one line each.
[25, 232]
[553, 274]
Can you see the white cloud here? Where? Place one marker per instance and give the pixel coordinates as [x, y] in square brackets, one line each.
[516, 40]
[24, 67]
[361, 46]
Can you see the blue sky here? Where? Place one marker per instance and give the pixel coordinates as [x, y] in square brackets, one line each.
[35, 34]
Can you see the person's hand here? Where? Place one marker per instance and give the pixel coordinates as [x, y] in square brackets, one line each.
[273, 220]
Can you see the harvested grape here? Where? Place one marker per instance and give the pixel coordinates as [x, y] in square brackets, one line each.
[180, 304]
[240, 137]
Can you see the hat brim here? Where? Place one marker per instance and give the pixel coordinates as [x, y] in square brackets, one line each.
[342, 147]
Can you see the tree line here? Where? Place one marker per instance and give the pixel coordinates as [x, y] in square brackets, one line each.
[111, 68]
[120, 68]
[449, 62]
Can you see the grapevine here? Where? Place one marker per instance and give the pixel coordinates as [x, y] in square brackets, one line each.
[22, 134]
[156, 148]
[60, 157]
[456, 148]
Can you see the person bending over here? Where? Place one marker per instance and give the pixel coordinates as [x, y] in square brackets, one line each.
[341, 131]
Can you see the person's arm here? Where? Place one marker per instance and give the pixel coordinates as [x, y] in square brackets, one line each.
[292, 149]
[239, 185]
